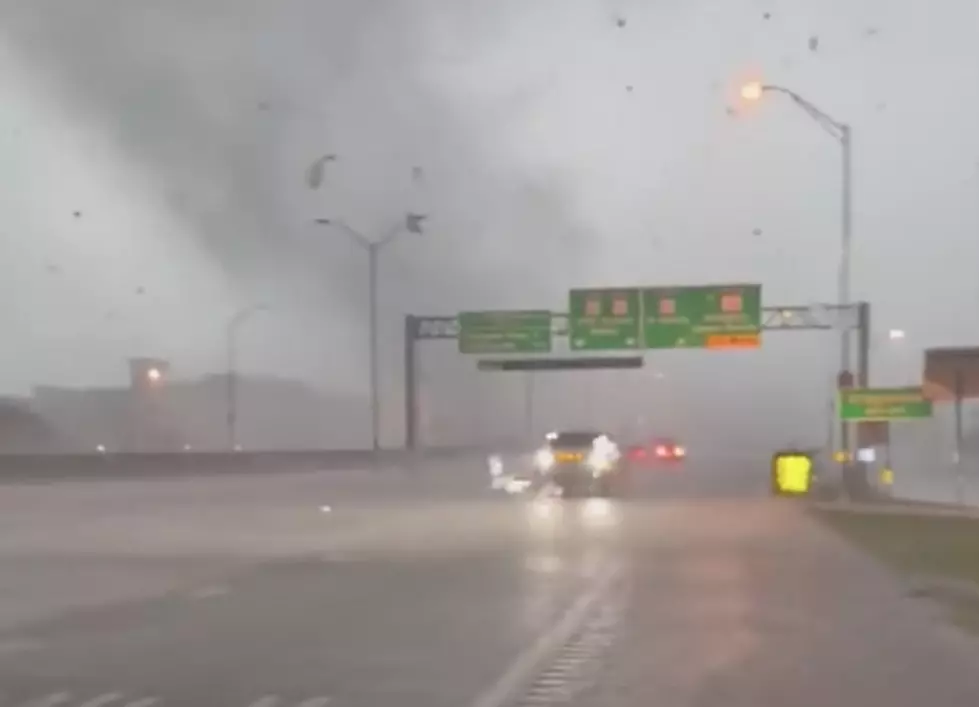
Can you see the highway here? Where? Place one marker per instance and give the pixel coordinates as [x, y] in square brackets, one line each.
[423, 587]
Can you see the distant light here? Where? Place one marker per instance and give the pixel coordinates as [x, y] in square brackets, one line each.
[237, 447]
[186, 447]
[325, 509]
[154, 374]
[896, 334]
[100, 449]
[752, 91]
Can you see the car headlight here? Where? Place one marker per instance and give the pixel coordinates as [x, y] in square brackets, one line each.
[544, 459]
[600, 462]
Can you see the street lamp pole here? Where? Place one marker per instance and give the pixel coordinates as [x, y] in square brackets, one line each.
[843, 133]
[412, 224]
[231, 342]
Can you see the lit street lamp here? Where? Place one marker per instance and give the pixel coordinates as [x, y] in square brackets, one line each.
[231, 340]
[412, 224]
[154, 375]
[842, 133]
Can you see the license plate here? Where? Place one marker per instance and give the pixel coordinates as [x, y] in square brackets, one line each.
[569, 456]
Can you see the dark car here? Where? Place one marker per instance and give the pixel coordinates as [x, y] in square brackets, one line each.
[657, 453]
[580, 463]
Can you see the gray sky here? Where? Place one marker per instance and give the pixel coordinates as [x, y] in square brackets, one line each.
[154, 157]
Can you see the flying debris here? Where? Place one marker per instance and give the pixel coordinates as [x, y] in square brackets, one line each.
[413, 222]
[629, 88]
[756, 232]
[77, 214]
[140, 290]
[314, 175]
[620, 21]
[417, 174]
[813, 43]
[767, 16]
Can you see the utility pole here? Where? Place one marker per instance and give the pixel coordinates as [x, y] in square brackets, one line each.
[412, 224]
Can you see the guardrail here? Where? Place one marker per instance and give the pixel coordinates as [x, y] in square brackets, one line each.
[19, 467]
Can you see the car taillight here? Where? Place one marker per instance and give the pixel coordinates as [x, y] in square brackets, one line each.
[662, 451]
[637, 453]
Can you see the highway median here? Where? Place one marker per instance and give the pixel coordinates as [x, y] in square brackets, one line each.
[934, 547]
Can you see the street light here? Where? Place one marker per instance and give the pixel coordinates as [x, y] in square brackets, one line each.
[896, 334]
[754, 91]
[153, 375]
[231, 341]
[413, 223]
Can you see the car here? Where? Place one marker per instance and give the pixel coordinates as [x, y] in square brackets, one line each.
[580, 463]
[656, 452]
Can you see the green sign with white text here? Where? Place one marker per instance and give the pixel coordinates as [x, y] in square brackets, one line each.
[711, 317]
[705, 317]
[513, 331]
[604, 319]
[869, 404]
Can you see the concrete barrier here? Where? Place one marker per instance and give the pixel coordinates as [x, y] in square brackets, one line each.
[41, 467]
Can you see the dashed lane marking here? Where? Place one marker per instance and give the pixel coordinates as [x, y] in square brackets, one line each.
[102, 700]
[527, 665]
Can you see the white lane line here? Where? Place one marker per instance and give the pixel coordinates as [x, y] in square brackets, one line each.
[267, 701]
[52, 700]
[102, 700]
[524, 668]
[209, 592]
[143, 702]
[315, 702]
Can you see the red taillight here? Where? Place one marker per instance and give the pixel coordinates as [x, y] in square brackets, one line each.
[637, 453]
[662, 451]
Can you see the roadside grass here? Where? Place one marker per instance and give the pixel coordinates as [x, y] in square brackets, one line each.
[938, 554]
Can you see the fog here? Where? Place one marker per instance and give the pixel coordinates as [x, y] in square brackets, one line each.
[155, 156]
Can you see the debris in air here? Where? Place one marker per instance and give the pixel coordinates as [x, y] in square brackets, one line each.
[813, 43]
[731, 111]
[871, 31]
[629, 88]
[756, 232]
[314, 175]
[767, 16]
[417, 174]
[620, 21]
[140, 290]
[77, 214]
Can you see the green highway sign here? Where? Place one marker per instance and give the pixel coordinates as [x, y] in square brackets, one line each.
[883, 404]
[513, 331]
[711, 317]
[604, 319]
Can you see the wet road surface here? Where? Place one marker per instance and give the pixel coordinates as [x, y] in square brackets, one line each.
[427, 588]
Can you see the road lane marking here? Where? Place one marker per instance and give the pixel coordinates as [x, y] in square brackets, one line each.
[209, 592]
[52, 700]
[267, 701]
[102, 700]
[522, 671]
